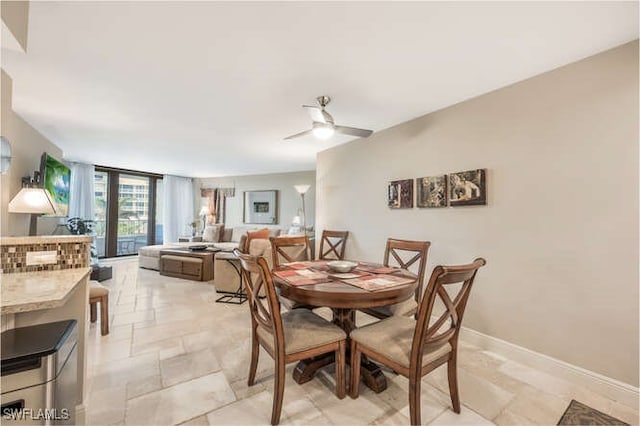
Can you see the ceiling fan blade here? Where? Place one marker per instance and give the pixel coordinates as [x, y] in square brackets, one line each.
[318, 114]
[297, 135]
[353, 131]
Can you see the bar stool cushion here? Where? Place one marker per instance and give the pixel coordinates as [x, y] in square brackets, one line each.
[303, 330]
[97, 290]
[392, 338]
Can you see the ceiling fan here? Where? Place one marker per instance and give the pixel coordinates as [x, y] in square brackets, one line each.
[323, 126]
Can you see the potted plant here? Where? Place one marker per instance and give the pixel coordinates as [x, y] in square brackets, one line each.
[194, 226]
[80, 226]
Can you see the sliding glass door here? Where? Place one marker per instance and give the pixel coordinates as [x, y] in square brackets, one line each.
[133, 213]
[101, 183]
[126, 211]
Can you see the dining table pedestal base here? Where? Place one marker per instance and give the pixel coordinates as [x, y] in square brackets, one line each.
[371, 374]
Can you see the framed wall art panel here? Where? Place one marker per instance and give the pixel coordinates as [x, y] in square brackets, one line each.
[400, 194]
[468, 188]
[431, 191]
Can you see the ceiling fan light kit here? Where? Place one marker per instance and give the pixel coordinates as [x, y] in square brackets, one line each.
[323, 126]
[322, 130]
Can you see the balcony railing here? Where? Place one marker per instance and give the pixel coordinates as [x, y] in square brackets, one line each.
[132, 234]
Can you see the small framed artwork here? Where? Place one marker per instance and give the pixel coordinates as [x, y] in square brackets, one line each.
[431, 191]
[400, 194]
[468, 188]
[261, 207]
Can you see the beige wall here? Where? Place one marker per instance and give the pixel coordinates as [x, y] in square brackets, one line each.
[15, 15]
[289, 200]
[560, 232]
[27, 147]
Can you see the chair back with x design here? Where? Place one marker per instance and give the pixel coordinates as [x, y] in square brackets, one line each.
[289, 249]
[446, 327]
[265, 312]
[396, 252]
[336, 243]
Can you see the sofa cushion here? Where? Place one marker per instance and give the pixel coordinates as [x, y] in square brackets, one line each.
[261, 247]
[275, 232]
[226, 246]
[154, 251]
[238, 232]
[212, 233]
[261, 234]
[225, 236]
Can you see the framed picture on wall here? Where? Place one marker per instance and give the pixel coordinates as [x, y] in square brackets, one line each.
[400, 194]
[468, 188]
[261, 207]
[431, 191]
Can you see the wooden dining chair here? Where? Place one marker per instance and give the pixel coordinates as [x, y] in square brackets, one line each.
[287, 337]
[404, 254]
[336, 242]
[289, 249]
[413, 348]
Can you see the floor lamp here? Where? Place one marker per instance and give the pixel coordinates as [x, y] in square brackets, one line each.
[302, 189]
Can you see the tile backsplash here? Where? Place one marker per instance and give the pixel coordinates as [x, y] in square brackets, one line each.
[72, 254]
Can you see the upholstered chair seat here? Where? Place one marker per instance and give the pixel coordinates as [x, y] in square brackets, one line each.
[303, 330]
[408, 308]
[97, 290]
[397, 333]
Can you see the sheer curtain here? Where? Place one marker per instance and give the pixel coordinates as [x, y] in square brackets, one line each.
[177, 206]
[82, 198]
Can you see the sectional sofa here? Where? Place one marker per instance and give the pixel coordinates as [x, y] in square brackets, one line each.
[226, 239]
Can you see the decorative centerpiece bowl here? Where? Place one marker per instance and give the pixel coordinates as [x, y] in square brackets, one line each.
[198, 248]
[341, 265]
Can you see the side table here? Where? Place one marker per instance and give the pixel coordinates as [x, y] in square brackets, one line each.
[238, 297]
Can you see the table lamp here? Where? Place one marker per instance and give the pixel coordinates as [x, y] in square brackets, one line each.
[204, 212]
[35, 201]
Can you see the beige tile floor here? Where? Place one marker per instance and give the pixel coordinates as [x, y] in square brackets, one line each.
[174, 356]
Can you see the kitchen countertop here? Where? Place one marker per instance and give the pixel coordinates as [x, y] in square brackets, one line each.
[45, 239]
[33, 291]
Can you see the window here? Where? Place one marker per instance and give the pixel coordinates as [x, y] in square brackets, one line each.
[129, 221]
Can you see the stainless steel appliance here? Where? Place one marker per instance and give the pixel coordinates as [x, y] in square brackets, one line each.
[39, 374]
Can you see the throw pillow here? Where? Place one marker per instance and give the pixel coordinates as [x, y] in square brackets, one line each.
[253, 235]
[211, 233]
[238, 232]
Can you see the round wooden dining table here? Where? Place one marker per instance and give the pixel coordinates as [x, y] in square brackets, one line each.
[344, 300]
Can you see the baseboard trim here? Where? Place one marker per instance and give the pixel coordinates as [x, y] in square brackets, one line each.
[611, 388]
[81, 414]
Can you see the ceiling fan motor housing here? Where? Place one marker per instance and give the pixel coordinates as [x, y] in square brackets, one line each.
[323, 101]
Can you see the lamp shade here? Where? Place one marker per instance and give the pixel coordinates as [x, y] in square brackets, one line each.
[302, 188]
[204, 211]
[32, 200]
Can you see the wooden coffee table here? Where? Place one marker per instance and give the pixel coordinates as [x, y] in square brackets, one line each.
[196, 265]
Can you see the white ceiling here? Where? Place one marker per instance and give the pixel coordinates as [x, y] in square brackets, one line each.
[210, 89]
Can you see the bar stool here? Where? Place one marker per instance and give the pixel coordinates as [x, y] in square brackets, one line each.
[99, 294]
